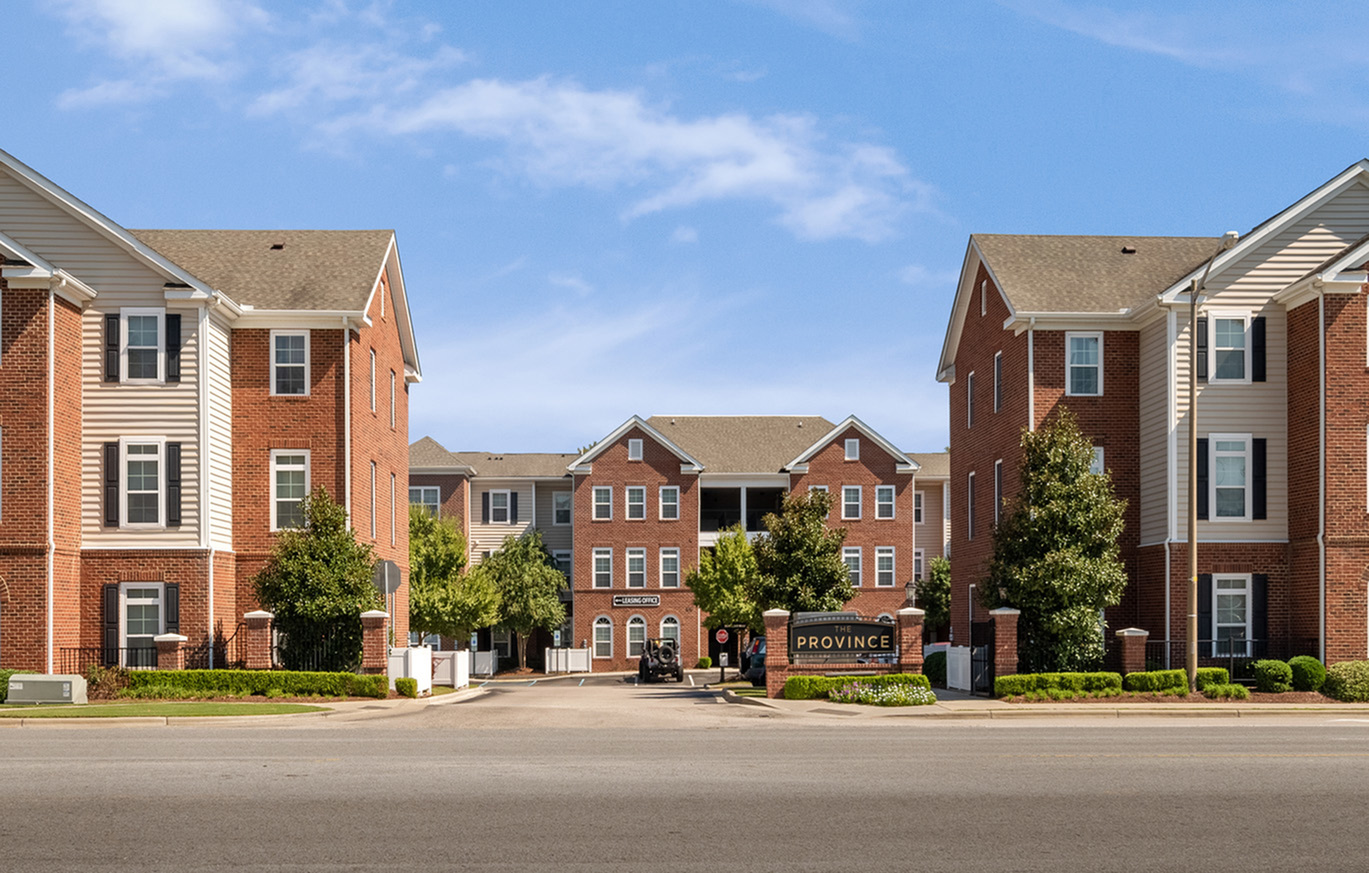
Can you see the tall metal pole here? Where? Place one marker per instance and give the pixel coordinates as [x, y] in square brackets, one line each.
[1191, 660]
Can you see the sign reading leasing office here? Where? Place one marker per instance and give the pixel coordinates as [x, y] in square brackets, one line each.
[846, 637]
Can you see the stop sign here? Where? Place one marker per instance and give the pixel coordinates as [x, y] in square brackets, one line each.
[721, 635]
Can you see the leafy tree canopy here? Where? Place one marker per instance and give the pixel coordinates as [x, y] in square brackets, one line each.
[724, 585]
[1055, 554]
[442, 599]
[529, 587]
[934, 593]
[799, 557]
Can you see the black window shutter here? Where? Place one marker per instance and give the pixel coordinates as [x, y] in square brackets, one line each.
[111, 484]
[110, 654]
[484, 507]
[1257, 349]
[513, 507]
[173, 347]
[173, 484]
[1258, 480]
[1259, 608]
[1204, 606]
[112, 348]
[1200, 357]
[172, 595]
[1202, 481]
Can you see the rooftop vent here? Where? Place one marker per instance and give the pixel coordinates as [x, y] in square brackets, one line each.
[1128, 250]
[275, 247]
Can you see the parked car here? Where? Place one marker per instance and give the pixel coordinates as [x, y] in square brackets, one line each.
[660, 657]
[755, 665]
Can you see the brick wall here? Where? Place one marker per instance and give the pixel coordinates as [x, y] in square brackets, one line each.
[453, 497]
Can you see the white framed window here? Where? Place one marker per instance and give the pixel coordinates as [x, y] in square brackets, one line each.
[603, 568]
[884, 501]
[427, 496]
[636, 636]
[997, 488]
[918, 564]
[636, 502]
[142, 482]
[850, 556]
[603, 637]
[373, 500]
[917, 507]
[969, 507]
[1083, 363]
[983, 298]
[969, 400]
[670, 630]
[670, 568]
[634, 450]
[603, 503]
[290, 363]
[850, 501]
[853, 450]
[636, 568]
[560, 507]
[1230, 346]
[1229, 488]
[670, 502]
[1231, 615]
[997, 381]
[560, 558]
[373, 380]
[392, 509]
[142, 618]
[823, 489]
[142, 345]
[499, 506]
[392, 399]
[501, 641]
[884, 566]
[1096, 465]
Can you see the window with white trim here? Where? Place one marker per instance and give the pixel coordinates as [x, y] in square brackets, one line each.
[142, 618]
[969, 401]
[853, 450]
[997, 488]
[1096, 465]
[670, 630]
[1083, 363]
[142, 481]
[560, 507]
[918, 563]
[884, 566]
[997, 381]
[1230, 347]
[636, 568]
[670, 502]
[850, 501]
[427, 496]
[1230, 480]
[670, 568]
[373, 380]
[917, 507]
[499, 506]
[850, 556]
[823, 489]
[636, 502]
[289, 362]
[501, 642]
[969, 507]
[603, 637]
[560, 559]
[392, 398]
[634, 450]
[603, 568]
[636, 636]
[1231, 615]
[392, 509]
[142, 344]
[983, 298]
[603, 503]
[373, 500]
[884, 501]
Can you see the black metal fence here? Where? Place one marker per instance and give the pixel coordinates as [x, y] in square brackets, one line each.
[1236, 656]
[981, 657]
[227, 653]
[79, 659]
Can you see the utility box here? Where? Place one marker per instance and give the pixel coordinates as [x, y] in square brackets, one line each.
[42, 688]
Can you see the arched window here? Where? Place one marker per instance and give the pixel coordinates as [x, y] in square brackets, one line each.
[603, 637]
[636, 636]
[670, 629]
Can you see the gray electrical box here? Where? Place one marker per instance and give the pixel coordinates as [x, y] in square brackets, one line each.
[41, 688]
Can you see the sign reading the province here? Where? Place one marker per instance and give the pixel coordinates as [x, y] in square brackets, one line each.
[636, 600]
[846, 637]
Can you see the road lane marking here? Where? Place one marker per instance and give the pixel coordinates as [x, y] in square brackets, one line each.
[582, 682]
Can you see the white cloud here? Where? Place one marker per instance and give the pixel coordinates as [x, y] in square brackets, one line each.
[559, 133]
[333, 72]
[832, 17]
[684, 234]
[574, 283]
[920, 277]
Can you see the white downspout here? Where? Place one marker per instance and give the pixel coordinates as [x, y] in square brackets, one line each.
[1172, 471]
[347, 416]
[1031, 374]
[206, 504]
[1321, 477]
[52, 417]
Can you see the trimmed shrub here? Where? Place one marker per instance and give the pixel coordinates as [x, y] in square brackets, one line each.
[934, 668]
[1157, 680]
[1209, 676]
[817, 687]
[1272, 677]
[1080, 684]
[902, 694]
[5, 683]
[407, 686]
[704, 663]
[1348, 681]
[1226, 691]
[239, 683]
[1308, 673]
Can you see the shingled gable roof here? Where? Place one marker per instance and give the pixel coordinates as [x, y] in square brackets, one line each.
[517, 465]
[904, 463]
[427, 454]
[594, 451]
[742, 443]
[932, 465]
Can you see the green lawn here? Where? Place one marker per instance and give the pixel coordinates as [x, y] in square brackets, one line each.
[176, 708]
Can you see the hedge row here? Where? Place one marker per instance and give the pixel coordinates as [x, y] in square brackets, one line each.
[1023, 683]
[1348, 681]
[815, 687]
[934, 668]
[5, 683]
[1175, 680]
[282, 683]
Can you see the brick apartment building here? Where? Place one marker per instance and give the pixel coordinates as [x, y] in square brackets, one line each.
[625, 520]
[1101, 325]
[167, 397]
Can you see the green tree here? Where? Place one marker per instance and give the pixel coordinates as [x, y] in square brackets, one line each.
[724, 585]
[1055, 554]
[529, 587]
[799, 557]
[442, 599]
[318, 582]
[934, 593]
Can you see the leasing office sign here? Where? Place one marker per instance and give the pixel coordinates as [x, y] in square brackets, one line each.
[636, 600]
[843, 637]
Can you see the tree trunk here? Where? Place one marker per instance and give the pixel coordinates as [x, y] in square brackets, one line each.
[522, 649]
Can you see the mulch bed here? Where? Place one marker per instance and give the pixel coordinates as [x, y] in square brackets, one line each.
[1297, 697]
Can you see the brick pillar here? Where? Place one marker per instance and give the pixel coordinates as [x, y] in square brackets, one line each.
[910, 639]
[1133, 642]
[170, 651]
[375, 650]
[776, 651]
[1004, 640]
[258, 639]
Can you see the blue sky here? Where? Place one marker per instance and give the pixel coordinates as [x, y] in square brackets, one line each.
[608, 208]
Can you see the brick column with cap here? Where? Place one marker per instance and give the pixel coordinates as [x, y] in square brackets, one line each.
[258, 639]
[170, 651]
[776, 651]
[1004, 640]
[910, 639]
[1133, 643]
[374, 647]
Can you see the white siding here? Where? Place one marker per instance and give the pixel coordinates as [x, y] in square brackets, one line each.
[1154, 435]
[933, 535]
[220, 433]
[490, 537]
[556, 537]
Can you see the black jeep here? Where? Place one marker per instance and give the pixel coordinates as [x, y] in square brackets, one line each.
[660, 657]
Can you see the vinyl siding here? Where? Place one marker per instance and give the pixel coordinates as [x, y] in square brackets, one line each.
[220, 434]
[556, 537]
[932, 536]
[1153, 396]
[490, 537]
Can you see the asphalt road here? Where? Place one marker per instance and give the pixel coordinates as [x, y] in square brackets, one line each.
[610, 777]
